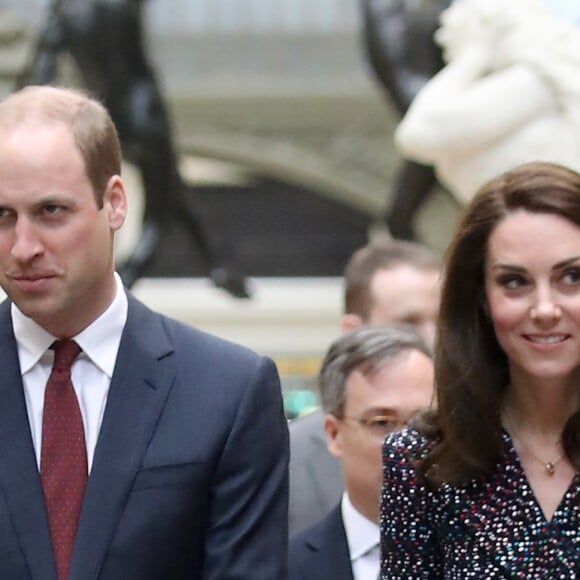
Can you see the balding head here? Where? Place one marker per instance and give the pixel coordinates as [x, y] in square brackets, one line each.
[89, 122]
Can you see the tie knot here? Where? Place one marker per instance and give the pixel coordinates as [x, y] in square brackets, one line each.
[65, 352]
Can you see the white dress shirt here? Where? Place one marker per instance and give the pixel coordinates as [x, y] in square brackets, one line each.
[363, 537]
[91, 372]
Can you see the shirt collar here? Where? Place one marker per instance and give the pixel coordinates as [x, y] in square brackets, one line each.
[362, 534]
[99, 341]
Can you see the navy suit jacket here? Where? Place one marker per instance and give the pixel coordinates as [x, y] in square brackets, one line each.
[321, 551]
[189, 477]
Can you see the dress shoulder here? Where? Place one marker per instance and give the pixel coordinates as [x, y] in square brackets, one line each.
[406, 447]
[409, 511]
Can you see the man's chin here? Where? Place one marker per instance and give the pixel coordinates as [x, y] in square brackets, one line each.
[37, 306]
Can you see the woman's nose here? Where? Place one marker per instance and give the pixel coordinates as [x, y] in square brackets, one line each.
[545, 308]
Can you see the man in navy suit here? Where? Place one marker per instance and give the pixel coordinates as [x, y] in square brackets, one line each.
[372, 380]
[185, 438]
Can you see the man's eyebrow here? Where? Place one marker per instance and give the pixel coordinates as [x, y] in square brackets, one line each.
[52, 198]
[380, 412]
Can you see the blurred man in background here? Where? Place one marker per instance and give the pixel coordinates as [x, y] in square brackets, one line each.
[387, 281]
[372, 381]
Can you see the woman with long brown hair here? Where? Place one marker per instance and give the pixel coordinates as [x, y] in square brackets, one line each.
[487, 485]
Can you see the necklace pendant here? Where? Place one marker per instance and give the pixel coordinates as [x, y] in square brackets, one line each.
[550, 468]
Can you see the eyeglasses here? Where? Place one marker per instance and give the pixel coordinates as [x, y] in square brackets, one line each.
[379, 426]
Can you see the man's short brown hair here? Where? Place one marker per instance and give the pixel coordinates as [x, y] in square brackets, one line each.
[91, 126]
[375, 256]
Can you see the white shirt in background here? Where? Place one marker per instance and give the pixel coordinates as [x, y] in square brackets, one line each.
[363, 537]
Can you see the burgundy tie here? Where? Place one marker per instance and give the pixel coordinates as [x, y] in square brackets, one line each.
[63, 457]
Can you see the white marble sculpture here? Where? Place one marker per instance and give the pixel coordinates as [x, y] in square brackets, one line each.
[509, 93]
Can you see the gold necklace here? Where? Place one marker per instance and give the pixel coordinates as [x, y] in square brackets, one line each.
[549, 466]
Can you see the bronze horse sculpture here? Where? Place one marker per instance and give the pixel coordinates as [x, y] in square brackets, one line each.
[105, 39]
[398, 38]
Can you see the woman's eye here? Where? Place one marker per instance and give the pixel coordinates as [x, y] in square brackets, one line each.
[571, 276]
[511, 282]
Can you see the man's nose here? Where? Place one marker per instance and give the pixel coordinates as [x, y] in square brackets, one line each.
[26, 244]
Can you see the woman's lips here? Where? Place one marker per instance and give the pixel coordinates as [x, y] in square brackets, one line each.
[546, 341]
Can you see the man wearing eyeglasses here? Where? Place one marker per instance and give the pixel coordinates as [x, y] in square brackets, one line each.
[372, 381]
[385, 282]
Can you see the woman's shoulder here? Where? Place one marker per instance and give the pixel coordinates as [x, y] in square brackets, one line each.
[407, 446]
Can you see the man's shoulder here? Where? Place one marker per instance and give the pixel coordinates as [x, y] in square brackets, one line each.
[321, 550]
[408, 444]
[184, 336]
[307, 425]
[313, 535]
[308, 442]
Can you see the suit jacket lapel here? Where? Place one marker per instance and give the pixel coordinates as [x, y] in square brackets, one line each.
[329, 548]
[19, 478]
[139, 388]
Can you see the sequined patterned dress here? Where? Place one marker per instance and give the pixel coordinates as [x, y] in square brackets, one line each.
[486, 530]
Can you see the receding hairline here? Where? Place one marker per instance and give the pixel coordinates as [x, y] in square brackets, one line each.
[36, 104]
[87, 121]
[385, 359]
[366, 349]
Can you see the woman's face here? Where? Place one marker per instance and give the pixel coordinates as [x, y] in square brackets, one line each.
[532, 286]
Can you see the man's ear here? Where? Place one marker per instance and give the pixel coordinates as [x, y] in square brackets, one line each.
[115, 202]
[333, 435]
[350, 321]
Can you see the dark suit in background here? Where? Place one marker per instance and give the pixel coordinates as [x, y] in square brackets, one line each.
[321, 551]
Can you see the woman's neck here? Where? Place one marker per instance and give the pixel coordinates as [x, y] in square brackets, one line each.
[540, 406]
